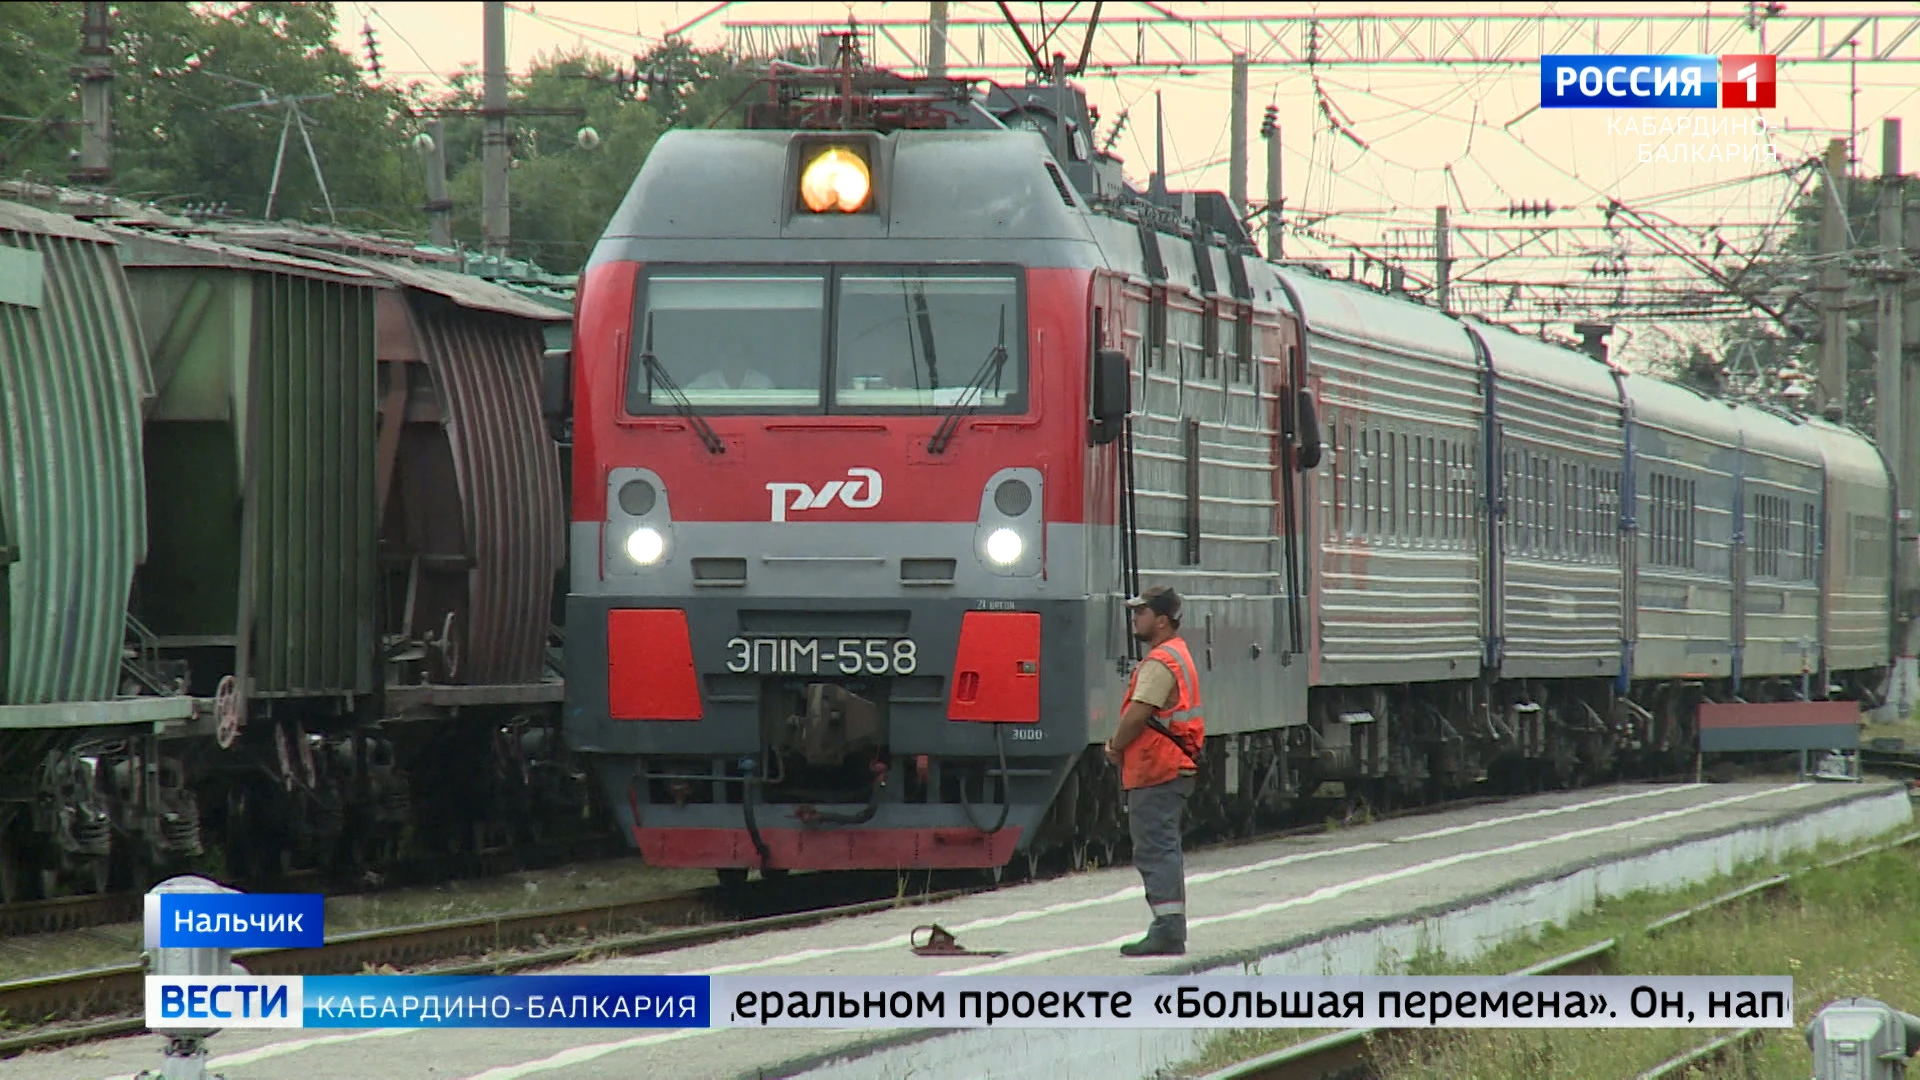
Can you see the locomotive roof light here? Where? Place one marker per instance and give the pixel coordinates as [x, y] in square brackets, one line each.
[837, 179]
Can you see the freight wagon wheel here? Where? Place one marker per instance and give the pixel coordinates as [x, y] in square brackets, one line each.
[1078, 853]
[9, 875]
[229, 711]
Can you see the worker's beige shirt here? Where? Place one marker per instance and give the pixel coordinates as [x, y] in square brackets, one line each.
[1156, 685]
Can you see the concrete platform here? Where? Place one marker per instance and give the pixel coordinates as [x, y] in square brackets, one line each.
[1357, 900]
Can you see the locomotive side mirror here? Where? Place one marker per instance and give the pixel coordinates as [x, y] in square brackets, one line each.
[556, 382]
[1309, 430]
[1112, 395]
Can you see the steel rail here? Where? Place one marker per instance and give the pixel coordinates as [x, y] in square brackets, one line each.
[1350, 1053]
[63, 913]
[83, 997]
[1708, 1053]
[89, 994]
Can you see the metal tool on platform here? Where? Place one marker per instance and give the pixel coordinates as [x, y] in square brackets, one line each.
[941, 942]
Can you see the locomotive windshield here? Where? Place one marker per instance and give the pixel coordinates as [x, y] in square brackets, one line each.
[899, 340]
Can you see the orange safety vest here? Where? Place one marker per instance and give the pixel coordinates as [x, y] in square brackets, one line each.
[1153, 758]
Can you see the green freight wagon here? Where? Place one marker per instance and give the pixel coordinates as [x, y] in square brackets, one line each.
[72, 381]
[260, 474]
[81, 773]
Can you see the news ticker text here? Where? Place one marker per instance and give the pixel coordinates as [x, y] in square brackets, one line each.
[963, 1001]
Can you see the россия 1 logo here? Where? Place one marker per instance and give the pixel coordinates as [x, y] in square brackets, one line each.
[1747, 81]
[1669, 81]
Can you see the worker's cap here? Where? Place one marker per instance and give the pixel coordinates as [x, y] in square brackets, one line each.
[1161, 600]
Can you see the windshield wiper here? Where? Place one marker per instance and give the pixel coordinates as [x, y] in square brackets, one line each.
[657, 372]
[969, 398]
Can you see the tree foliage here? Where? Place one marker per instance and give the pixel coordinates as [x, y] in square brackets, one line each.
[191, 125]
[561, 194]
[1756, 352]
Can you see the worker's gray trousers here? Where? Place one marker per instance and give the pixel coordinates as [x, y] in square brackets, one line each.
[1153, 818]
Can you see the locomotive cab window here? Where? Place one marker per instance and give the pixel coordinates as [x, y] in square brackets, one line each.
[904, 339]
[729, 340]
[846, 340]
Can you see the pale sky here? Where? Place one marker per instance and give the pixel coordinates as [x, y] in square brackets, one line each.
[1435, 135]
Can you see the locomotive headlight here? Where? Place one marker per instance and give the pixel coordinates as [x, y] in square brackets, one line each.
[836, 180]
[645, 545]
[1004, 546]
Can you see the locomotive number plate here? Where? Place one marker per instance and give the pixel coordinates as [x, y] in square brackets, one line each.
[822, 656]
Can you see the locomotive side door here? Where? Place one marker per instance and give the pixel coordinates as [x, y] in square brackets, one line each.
[1293, 490]
[1118, 322]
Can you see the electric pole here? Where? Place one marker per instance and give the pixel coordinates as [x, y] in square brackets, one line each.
[439, 206]
[937, 41]
[95, 75]
[1894, 420]
[1833, 282]
[494, 218]
[1889, 275]
[1276, 194]
[1442, 262]
[1237, 151]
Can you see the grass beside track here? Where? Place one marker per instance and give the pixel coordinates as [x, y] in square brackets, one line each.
[1852, 931]
[32, 955]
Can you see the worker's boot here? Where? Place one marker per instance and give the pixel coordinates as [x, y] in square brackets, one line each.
[1166, 937]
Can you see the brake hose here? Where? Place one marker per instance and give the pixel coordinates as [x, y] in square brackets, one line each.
[747, 782]
[1006, 790]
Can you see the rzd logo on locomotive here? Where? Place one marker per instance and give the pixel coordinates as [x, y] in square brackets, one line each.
[859, 492]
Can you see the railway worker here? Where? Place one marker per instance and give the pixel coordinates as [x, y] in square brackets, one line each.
[1157, 748]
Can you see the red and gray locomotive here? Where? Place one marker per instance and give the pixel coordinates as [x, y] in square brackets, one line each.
[884, 404]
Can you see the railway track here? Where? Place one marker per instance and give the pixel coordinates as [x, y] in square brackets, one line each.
[82, 1006]
[1343, 1055]
[70, 1007]
[1706, 1054]
[97, 1003]
[80, 912]
[63, 913]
